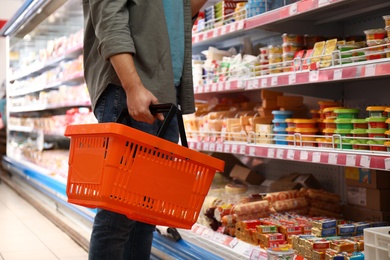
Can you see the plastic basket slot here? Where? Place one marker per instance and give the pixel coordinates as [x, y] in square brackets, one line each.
[84, 190]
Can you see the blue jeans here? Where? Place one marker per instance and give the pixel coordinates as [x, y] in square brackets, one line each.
[114, 236]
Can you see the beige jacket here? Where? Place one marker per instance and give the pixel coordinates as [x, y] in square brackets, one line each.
[138, 27]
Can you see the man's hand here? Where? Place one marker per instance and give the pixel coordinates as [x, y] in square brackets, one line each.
[138, 98]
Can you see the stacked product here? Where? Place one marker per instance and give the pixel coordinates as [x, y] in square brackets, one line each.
[224, 11]
[256, 7]
[275, 59]
[375, 40]
[377, 127]
[387, 143]
[263, 60]
[280, 125]
[209, 17]
[359, 132]
[344, 125]
[305, 129]
[291, 45]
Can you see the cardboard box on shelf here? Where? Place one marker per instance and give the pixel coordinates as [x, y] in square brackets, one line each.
[246, 174]
[367, 178]
[230, 161]
[363, 214]
[270, 103]
[289, 101]
[270, 94]
[369, 198]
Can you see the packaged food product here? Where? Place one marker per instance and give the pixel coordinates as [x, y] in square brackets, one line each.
[318, 50]
[292, 38]
[343, 123]
[375, 34]
[377, 111]
[329, 111]
[306, 131]
[275, 58]
[305, 123]
[328, 131]
[330, 123]
[291, 47]
[374, 55]
[330, 47]
[347, 113]
[377, 122]
[275, 49]
[359, 123]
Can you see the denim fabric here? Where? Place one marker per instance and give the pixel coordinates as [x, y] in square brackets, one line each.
[114, 236]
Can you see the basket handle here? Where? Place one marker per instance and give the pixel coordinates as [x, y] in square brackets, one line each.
[163, 108]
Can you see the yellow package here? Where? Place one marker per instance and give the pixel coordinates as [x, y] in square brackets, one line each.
[330, 47]
[318, 49]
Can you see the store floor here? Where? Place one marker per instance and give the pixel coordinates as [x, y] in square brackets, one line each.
[26, 234]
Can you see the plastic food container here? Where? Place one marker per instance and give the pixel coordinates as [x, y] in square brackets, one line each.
[330, 123]
[377, 122]
[290, 130]
[377, 111]
[359, 144]
[288, 56]
[359, 132]
[329, 131]
[290, 122]
[306, 131]
[329, 111]
[359, 123]
[376, 132]
[325, 104]
[275, 58]
[315, 113]
[280, 253]
[291, 47]
[305, 123]
[375, 34]
[292, 38]
[324, 142]
[275, 49]
[282, 114]
[373, 44]
[387, 145]
[387, 20]
[344, 123]
[374, 55]
[377, 145]
[343, 132]
[347, 113]
[388, 123]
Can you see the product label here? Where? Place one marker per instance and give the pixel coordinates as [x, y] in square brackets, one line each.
[357, 196]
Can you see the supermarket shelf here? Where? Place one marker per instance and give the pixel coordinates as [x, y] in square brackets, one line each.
[43, 180]
[42, 107]
[310, 13]
[39, 67]
[361, 70]
[74, 77]
[329, 156]
[17, 128]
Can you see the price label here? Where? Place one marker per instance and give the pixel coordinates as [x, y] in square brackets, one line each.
[271, 153]
[290, 154]
[240, 83]
[219, 147]
[207, 88]
[215, 32]
[206, 146]
[292, 78]
[274, 81]
[234, 148]
[212, 146]
[220, 86]
[223, 30]
[191, 145]
[196, 38]
[351, 160]
[370, 70]
[255, 83]
[242, 149]
[198, 146]
[240, 25]
[304, 155]
[264, 82]
[249, 84]
[323, 2]
[205, 36]
[332, 159]
[365, 161]
[233, 243]
[226, 148]
[279, 153]
[293, 9]
[337, 74]
[233, 27]
[252, 151]
[316, 157]
[214, 87]
[255, 254]
[227, 85]
[314, 75]
[387, 163]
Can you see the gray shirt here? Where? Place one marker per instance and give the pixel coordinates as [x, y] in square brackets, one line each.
[138, 27]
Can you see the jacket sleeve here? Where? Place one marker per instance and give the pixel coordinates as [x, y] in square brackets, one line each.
[110, 20]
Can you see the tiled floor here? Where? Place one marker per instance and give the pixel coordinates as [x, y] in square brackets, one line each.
[26, 234]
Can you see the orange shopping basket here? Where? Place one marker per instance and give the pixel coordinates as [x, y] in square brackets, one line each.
[149, 179]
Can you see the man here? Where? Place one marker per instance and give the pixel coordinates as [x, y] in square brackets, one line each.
[136, 53]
